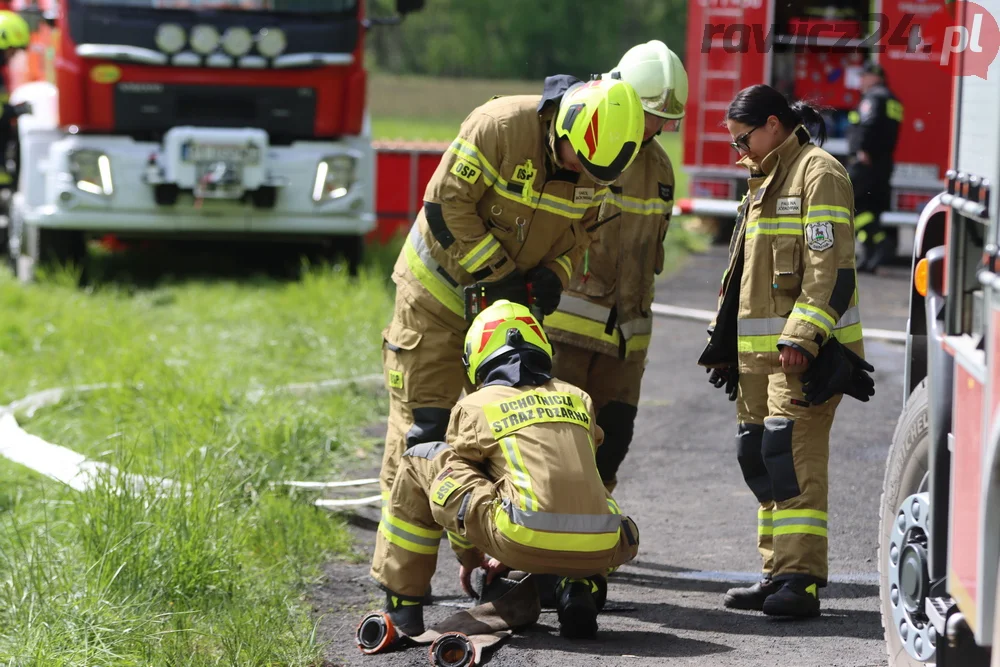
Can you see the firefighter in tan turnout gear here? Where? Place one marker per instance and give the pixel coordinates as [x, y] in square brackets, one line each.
[516, 479]
[505, 216]
[787, 340]
[601, 330]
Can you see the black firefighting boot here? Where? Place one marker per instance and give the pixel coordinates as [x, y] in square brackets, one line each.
[797, 597]
[406, 615]
[752, 597]
[547, 585]
[577, 606]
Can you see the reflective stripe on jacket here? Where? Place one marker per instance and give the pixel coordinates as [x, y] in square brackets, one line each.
[606, 306]
[539, 444]
[799, 284]
[498, 202]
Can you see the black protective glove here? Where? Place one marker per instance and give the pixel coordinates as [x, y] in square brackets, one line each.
[545, 288]
[728, 377]
[837, 370]
[22, 108]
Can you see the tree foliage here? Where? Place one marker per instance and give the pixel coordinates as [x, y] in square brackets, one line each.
[520, 39]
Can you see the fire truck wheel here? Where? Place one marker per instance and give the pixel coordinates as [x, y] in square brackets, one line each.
[352, 249]
[903, 580]
[995, 657]
[56, 246]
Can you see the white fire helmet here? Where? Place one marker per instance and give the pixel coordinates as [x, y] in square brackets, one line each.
[658, 76]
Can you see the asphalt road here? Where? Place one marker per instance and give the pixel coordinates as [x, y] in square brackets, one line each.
[682, 485]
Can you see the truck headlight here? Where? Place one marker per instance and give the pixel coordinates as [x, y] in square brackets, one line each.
[91, 171]
[334, 177]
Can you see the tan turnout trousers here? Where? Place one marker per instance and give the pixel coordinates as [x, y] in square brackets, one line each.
[783, 445]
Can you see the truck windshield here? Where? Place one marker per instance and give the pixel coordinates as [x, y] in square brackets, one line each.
[292, 6]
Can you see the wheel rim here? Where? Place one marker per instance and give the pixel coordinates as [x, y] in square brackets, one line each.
[908, 579]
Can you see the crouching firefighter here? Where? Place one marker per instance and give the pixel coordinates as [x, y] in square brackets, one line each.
[787, 340]
[516, 479]
[504, 215]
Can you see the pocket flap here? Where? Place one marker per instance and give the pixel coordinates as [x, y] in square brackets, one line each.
[399, 337]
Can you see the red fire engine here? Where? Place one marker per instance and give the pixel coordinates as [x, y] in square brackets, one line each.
[196, 118]
[812, 50]
[939, 542]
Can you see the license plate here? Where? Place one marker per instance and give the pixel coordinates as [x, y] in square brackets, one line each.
[221, 153]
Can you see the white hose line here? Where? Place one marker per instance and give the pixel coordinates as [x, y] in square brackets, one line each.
[699, 315]
[59, 463]
[79, 473]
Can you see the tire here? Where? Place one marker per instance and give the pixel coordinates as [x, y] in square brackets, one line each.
[905, 471]
[56, 246]
[995, 646]
[354, 252]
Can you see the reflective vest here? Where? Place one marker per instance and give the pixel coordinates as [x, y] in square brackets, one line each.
[606, 306]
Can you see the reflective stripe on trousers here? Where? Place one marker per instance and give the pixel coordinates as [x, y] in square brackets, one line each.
[761, 334]
[431, 274]
[558, 532]
[582, 317]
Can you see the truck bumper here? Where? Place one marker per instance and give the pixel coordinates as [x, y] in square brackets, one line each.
[120, 194]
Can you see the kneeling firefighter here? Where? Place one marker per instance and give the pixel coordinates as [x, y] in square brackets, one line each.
[787, 340]
[516, 478]
[602, 327]
[505, 216]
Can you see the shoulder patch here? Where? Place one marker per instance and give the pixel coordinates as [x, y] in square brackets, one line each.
[789, 206]
[466, 171]
[666, 192]
[819, 235]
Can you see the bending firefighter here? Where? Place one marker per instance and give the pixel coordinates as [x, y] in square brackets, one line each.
[515, 479]
[602, 327]
[787, 340]
[505, 216]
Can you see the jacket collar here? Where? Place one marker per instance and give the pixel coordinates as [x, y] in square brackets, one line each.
[783, 154]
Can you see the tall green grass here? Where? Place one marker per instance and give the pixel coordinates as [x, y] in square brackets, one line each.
[215, 570]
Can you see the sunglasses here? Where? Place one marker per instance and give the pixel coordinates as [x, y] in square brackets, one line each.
[743, 141]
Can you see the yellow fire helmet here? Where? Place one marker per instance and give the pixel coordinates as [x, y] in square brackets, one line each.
[604, 123]
[502, 327]
[14, 30]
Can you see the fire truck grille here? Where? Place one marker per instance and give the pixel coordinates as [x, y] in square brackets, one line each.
[146, 110]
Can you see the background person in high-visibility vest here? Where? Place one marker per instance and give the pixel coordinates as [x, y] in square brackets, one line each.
[507, 211]
[872, 138]
[515, 479]
[602, 327]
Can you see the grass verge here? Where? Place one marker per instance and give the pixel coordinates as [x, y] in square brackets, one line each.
[126, 575]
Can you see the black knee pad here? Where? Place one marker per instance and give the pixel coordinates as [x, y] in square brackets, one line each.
[617, 419]
[429, 425]
[777, 451]
[749, 444]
